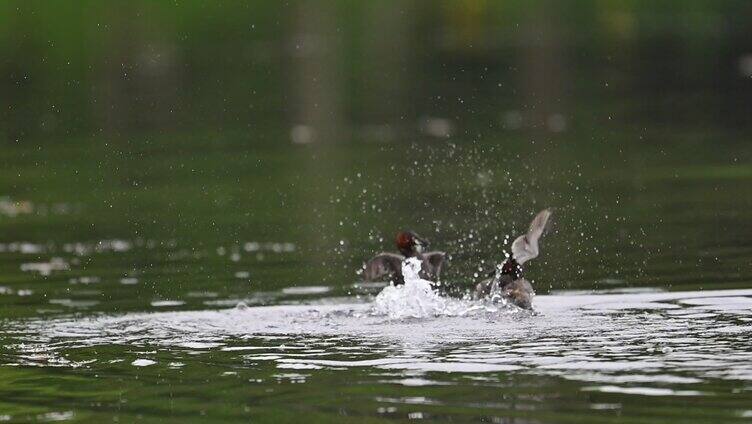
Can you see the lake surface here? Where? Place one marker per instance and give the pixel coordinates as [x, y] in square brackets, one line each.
[123, 262]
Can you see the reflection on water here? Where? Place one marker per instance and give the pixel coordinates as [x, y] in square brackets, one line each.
[128, 300]
[680, 344]
[239, 313]
[179, 230]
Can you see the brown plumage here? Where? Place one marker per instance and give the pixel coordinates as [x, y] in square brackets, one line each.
[509, 282]
[388, 266]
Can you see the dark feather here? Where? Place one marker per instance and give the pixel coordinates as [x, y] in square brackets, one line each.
[384, 267]
[433, 262]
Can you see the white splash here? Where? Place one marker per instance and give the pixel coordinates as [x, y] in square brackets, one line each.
[416, 298]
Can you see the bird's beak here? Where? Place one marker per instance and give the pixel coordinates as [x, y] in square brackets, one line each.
[421, 245]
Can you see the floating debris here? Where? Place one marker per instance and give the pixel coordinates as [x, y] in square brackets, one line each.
[84, 280]
[164, 303]
[300, 290]
[275, 247]
[74, 303]
[437, 127]
[22, 247]
[46, 268]
[13, 208]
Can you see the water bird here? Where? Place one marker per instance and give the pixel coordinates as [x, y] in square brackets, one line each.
[509, 282]
[410, 245]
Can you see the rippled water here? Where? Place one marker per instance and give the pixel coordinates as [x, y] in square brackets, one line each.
[119, 301]
[692, 350]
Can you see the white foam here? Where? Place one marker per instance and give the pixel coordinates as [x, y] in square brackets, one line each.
[414, 299]
[417, 299]
[613, 350]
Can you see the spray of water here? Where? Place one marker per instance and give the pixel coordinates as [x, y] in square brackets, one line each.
[417, 299]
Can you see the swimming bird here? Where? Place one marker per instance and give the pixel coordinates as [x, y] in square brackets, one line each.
[410, 245]
[508, 281]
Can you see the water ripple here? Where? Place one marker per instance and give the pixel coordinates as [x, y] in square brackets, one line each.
[645, 344]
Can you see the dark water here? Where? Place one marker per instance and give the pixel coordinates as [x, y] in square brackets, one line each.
[188, 189]
[122, 264]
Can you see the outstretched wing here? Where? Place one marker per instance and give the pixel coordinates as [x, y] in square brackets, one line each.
[432, 264]
[525, 247]
[381, 265]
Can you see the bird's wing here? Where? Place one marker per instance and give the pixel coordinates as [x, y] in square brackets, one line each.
[434, 261]
[383, 264]
[525, 247]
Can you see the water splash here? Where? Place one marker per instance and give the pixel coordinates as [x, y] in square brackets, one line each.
[414, 299]
[417, 299]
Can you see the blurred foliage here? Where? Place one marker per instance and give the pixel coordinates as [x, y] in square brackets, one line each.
[170, 127]
[87, 67]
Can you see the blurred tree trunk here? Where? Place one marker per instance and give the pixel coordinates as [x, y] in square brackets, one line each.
[314, 96]
[137, 83]
[315, 75]
[111, 92]
[13, 101]
[17, 75]
[542, 68]
[387, 64]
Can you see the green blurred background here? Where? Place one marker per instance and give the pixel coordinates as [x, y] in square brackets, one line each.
[189, 155]
[332, 124]
[369, 70]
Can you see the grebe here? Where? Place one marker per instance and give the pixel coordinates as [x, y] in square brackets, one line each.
[410, 245]
[509, 282]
